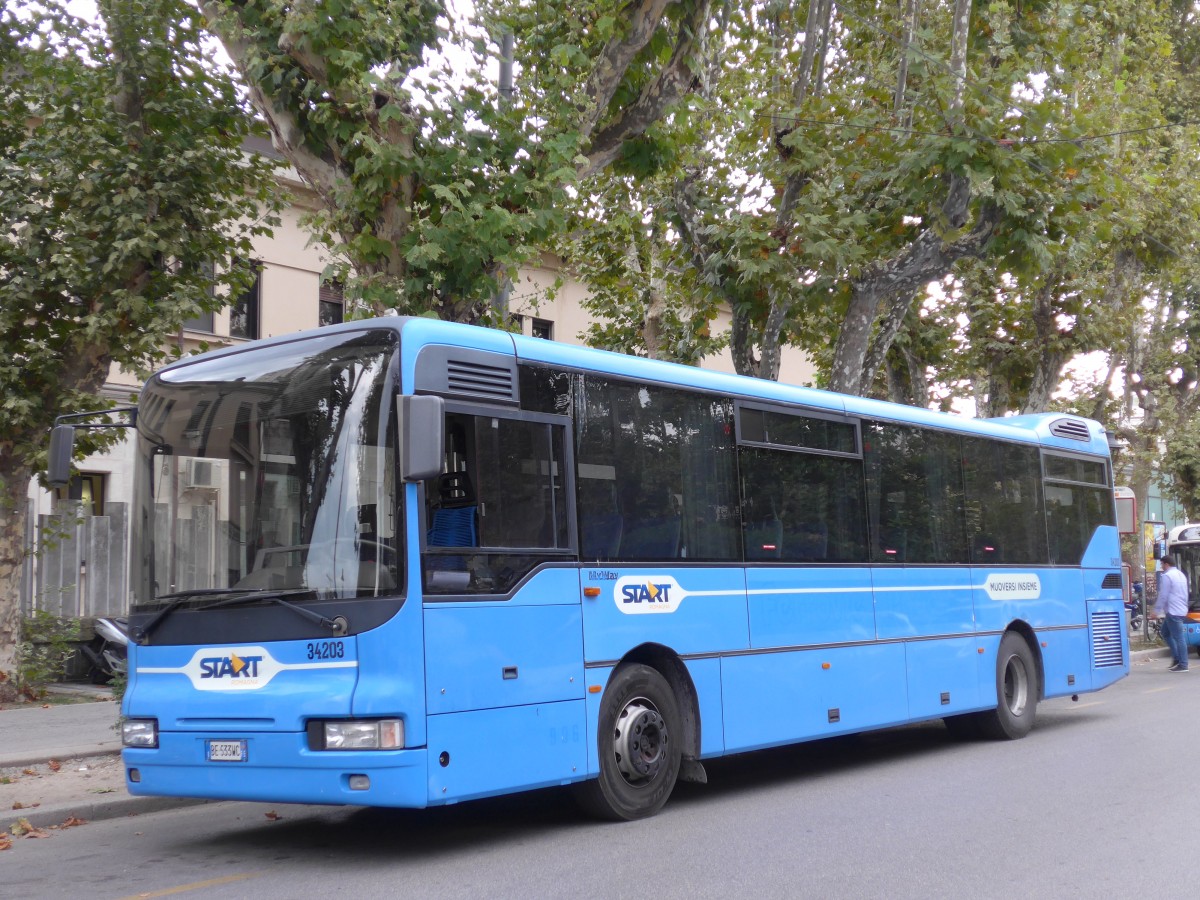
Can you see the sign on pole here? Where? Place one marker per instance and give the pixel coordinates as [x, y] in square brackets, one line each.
[1126, 510]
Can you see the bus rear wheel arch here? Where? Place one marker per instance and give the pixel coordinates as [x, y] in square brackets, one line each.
[640, 743]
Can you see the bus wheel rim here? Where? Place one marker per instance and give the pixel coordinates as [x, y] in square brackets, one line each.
[1016, 685]
[640, 741]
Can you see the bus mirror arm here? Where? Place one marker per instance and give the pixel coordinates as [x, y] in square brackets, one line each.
[422, 437]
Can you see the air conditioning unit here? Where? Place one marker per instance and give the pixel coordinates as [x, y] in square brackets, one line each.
[200, 473]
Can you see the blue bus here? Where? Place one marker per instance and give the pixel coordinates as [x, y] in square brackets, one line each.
[403, 562]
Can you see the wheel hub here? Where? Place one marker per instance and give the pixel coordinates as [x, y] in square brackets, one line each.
[640, 741]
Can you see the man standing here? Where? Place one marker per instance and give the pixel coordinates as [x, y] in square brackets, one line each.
[1172, 606]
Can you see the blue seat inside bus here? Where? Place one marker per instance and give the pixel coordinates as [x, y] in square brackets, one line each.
[453, 521]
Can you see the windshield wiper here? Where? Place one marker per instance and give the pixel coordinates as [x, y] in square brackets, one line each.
[141, 633]
[337, 625]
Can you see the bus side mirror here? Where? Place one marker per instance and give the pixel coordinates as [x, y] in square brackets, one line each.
[62, 448]
[422, 437]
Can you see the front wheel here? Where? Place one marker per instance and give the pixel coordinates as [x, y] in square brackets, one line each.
[639, 745]
[1016, 692]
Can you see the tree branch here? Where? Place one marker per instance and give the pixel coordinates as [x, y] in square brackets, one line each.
[674, 82]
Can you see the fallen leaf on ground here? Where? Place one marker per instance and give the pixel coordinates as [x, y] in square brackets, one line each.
[23, 828]
[5, 842]
[18, 805]
[72, 822]
[54, 765]
[103, 790]
[29, 771]
[273, 816]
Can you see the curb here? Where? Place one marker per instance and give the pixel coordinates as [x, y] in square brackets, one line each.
[101, 810]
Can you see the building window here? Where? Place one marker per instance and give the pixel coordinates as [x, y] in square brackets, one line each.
[331, 304]
[543, 328]
[244, 311]
[86, 488]
[204, 321]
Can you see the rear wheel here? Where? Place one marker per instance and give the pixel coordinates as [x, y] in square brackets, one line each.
[639, 745]
[1016, 691]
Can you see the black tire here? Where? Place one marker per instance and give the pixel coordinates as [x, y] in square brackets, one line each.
[639, 743]
[1016, 692]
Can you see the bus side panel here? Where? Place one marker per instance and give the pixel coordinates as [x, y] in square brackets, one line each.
[391, 671]
[596, 678]
[492, 751]
[689, 611]
[1040, 595]
[1104, 549]
[549, 587]
[478, 657]
[943, 677]
[1066, 661]
[776, 698]
[794, 606]
[772, 698]
[925, 601]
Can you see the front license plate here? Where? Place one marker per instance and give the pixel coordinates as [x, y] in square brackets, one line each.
[226, 751]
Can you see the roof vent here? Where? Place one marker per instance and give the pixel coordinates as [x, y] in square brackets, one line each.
[469, 373]
[1072, 429]
[475, 380]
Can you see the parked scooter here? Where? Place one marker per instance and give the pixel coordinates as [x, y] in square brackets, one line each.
[108, 652]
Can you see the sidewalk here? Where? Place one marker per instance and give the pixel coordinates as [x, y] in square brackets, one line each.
[60, 763]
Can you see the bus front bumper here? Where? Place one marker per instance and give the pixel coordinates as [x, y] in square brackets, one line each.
[277, 768]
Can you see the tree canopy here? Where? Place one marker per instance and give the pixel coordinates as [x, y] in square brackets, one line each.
[434, 187]
[122, 183]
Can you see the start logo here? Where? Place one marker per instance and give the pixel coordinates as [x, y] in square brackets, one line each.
[647, 594]
[231, 666]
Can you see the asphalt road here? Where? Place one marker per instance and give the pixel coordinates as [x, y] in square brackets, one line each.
[1096, 802]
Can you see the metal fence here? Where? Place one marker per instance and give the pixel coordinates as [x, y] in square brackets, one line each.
[81, 567]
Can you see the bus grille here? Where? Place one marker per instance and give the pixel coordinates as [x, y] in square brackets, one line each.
[1106, 640]
[1111, 581]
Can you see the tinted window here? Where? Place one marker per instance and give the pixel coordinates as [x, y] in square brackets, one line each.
[502, 499]
[1004, 503]
[1070, 468]
[914, 495]
[802, 507]
[761, 426]
[655, 473]
[1074, 511]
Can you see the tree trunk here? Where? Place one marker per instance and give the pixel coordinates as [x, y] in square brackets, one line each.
[13, 513]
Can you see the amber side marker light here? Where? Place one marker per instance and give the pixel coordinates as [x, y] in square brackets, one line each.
[594, 689]
[591, 592]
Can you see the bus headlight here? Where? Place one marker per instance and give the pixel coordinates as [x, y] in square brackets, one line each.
[141, 733]
[378, 734]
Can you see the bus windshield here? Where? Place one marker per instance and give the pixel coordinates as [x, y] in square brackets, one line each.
[269, 472]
